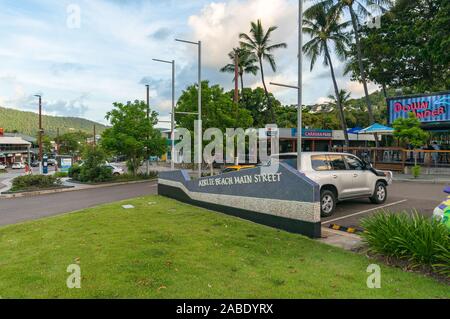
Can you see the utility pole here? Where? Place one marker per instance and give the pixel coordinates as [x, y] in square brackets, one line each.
[40, 127]
[95, 139]
[57, 140]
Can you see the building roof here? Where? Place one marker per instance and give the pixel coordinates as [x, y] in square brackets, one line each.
[13, 140]
[27, 138]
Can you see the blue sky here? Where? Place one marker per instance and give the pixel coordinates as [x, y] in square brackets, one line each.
[81, 69]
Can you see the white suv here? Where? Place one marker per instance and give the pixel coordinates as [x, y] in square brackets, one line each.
[341, 176]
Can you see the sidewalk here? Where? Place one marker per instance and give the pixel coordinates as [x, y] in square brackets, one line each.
[424, 178]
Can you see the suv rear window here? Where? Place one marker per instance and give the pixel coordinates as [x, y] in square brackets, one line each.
[320, 163]
[337, 162]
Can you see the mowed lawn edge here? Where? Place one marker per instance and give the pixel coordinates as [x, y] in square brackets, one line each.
[166, 249]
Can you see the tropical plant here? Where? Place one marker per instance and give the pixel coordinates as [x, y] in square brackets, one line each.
[246, 64]
[357, 9]
[259, 43]
[416, 238]
[325, 30]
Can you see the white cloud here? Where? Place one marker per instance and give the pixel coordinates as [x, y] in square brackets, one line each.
[219, 24]
[357, 89]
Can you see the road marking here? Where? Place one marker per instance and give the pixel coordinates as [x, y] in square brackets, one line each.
[364, 211]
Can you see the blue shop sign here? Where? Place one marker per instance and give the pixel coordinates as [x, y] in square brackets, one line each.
[307, 133]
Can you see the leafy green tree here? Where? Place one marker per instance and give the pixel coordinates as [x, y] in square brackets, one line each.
[394, 55]
[246, 64]
[218, 109]
[255, 102]
[357, 9]
[259, 43]
[409, 132]
[71, 143]
[327, 32]
[131, 134]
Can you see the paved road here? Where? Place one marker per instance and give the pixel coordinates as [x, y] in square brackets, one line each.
[403, 196]
[27, 208]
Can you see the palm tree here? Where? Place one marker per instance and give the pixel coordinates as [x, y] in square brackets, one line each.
[246, 64]
[258, 42]
[355, 8]
[344, 97]
[324, 28]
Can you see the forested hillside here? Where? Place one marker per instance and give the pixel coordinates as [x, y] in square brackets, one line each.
[27, 123]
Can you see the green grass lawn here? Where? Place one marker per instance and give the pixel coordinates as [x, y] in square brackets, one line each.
[165, 249]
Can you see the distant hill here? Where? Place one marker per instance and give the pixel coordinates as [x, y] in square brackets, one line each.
[12, 120]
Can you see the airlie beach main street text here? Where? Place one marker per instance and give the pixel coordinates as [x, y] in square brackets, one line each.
[238, 180]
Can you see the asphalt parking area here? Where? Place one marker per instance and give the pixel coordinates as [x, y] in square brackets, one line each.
[402, 196]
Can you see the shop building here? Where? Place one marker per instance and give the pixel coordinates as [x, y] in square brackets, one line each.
[432, 110]
[317, 140]
[14, 149]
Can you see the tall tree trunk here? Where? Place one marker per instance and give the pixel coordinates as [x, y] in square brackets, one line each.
[338, 100]
[383, 86]
[361, 68]
[269, 105]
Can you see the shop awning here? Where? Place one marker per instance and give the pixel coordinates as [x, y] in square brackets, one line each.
[377, 129]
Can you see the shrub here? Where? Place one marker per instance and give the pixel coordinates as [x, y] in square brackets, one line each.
[420, 240]
[140, 176]
[61, 174]
[95, 174]
[29, 182]
[74, 171]
[416, 171]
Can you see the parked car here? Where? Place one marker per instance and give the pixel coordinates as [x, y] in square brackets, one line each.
[51, 162]
[18, 165]
[341, 176]
[116, 171]
[35, 164]
[235, 168]
[2, 167]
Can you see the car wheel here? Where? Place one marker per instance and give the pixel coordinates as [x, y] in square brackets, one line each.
[116, 174]
[380, 194]
[327, 203]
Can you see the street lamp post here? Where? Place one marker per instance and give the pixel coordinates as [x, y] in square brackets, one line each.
[299, 120]
[199, 146]
[299, 86]
[300, 83]
[148, 119]
[40, 129]
[172, 117]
